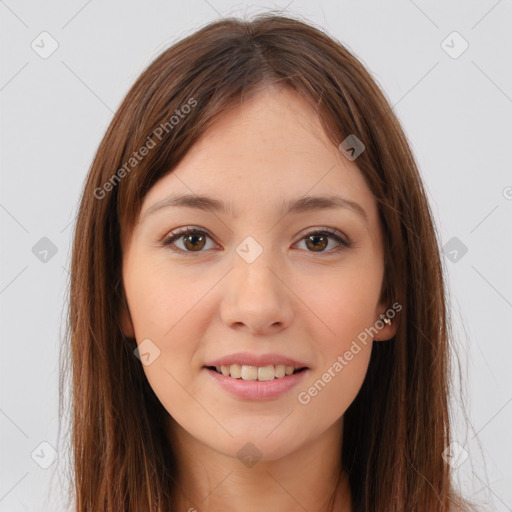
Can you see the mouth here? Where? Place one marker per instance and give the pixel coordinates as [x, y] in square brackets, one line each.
[256, 373]
[250, 382]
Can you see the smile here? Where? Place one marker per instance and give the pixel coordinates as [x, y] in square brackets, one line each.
[248, 386]
[260, 373]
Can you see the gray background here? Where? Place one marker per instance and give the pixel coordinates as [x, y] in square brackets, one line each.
[457, 114]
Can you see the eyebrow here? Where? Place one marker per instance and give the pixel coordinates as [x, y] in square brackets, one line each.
[302, 204]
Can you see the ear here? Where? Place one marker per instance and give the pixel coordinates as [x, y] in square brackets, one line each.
[387, 331]
[125, 319]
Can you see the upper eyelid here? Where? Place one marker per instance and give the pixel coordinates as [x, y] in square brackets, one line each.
[185, 230]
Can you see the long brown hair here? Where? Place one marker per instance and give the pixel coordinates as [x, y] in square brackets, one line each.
[397, 428]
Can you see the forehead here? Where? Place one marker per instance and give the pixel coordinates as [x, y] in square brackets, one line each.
[269, 149]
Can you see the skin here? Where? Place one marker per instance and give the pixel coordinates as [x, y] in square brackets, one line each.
[292, 300]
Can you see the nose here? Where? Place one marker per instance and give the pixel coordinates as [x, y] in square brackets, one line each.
[257, 298]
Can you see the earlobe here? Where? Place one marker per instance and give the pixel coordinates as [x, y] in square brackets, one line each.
[387, 328]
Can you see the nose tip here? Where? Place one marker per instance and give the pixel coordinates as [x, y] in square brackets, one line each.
[256, 299]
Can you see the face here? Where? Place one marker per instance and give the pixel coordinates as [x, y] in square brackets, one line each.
[255, 287]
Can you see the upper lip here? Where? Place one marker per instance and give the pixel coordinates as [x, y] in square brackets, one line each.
[248, 359]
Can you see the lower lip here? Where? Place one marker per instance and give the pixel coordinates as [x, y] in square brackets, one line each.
[255, 389]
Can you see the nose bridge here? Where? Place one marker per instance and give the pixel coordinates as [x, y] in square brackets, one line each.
[256, 295]
[256, 266]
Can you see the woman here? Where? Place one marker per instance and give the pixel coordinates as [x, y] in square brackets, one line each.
[257, 307]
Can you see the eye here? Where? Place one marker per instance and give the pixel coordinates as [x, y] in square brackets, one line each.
[195, 240]
[317, 241]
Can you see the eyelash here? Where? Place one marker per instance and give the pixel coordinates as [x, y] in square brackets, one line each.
[173, 236]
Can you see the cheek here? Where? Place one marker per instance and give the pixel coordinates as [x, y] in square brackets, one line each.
[161, 299]
[161, 313]
[344, 302]
[346, 306]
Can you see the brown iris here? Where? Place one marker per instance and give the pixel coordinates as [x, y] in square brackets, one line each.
[316, 245]
[193, 238]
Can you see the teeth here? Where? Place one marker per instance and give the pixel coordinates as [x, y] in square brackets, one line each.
[280, 371]
[261, 373]
[235, 370]
[266, 372]
[249, 372]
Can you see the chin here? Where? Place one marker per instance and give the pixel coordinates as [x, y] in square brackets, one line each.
[258, 443]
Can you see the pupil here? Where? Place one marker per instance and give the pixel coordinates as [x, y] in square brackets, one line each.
[194, 238]
[317, 245]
